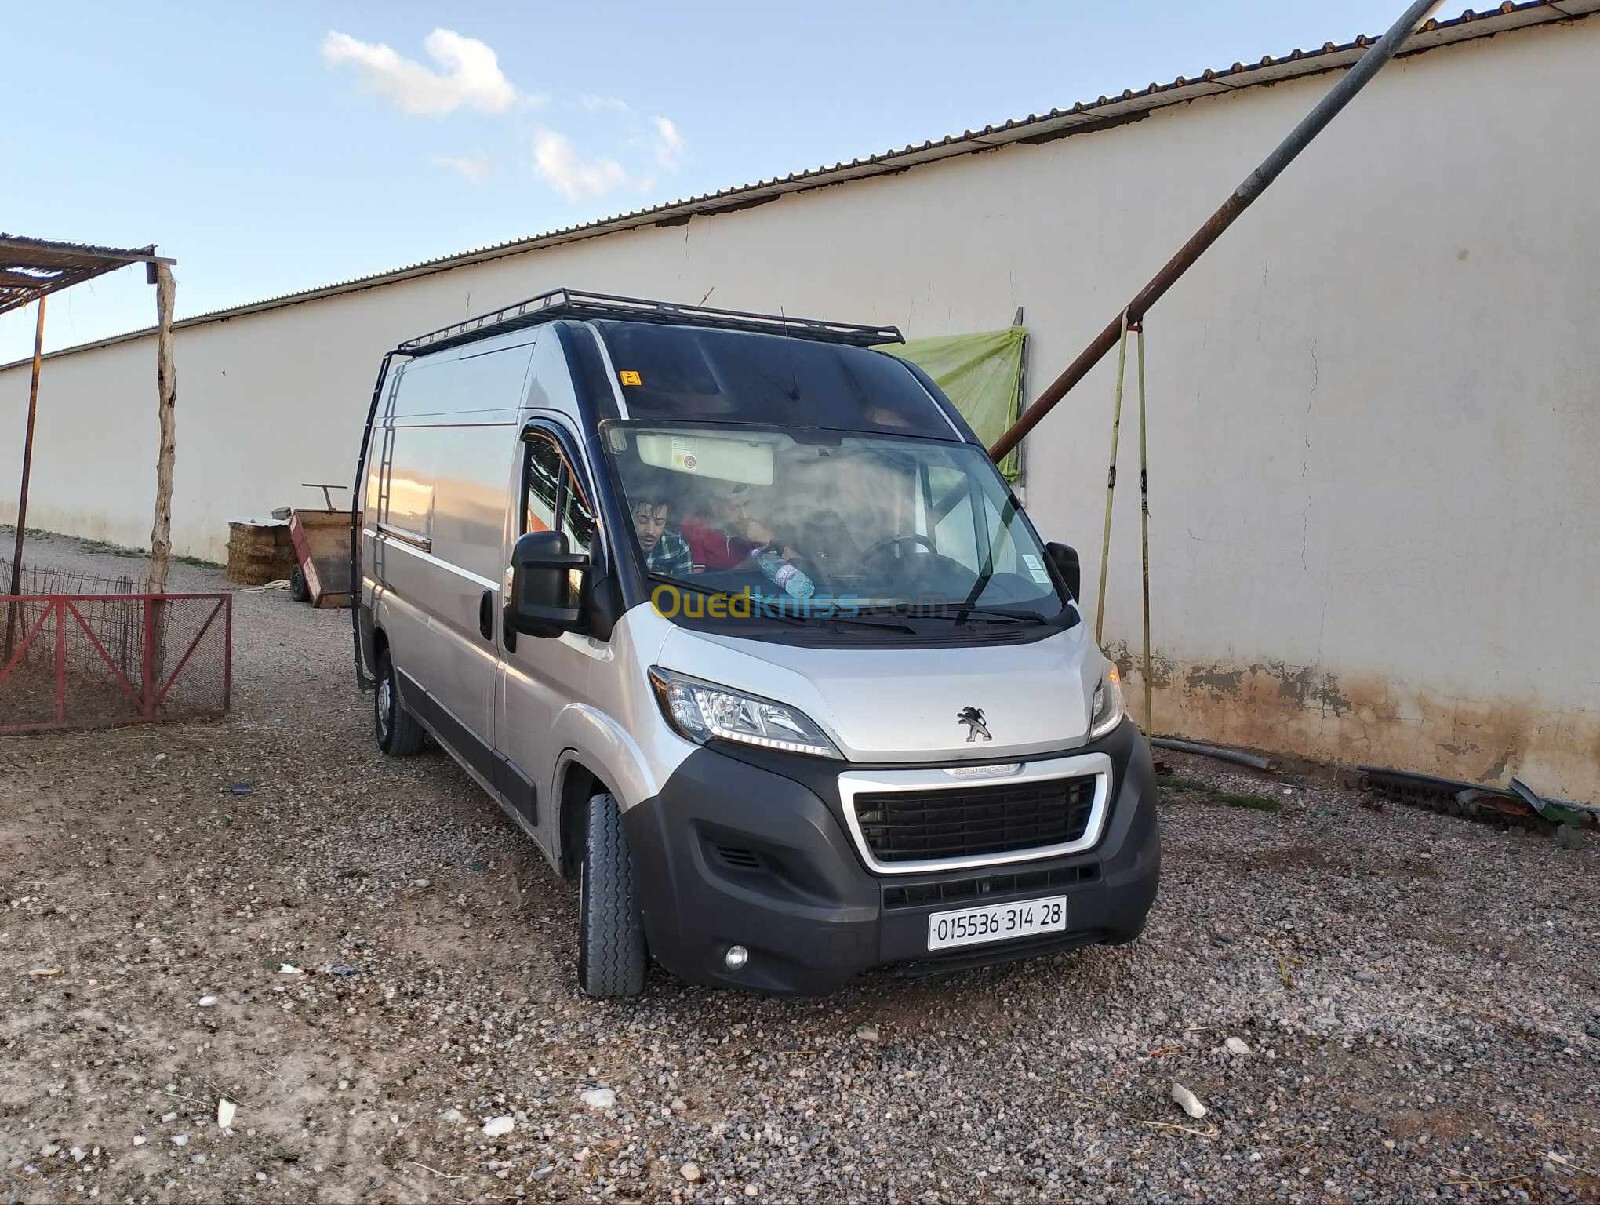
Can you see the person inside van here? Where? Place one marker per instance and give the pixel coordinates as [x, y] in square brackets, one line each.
[665, 550]
[722, 535]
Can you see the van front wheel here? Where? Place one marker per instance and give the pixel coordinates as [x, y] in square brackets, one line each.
[399, 734]
[611, 951]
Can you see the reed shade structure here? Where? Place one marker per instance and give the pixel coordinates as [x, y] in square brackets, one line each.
[30, 270]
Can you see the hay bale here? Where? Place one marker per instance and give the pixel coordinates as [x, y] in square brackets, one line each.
[259, 551]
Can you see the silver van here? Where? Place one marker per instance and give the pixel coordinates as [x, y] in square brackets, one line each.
[736, 619]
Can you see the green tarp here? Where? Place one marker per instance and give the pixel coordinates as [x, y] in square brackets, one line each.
[981, 374]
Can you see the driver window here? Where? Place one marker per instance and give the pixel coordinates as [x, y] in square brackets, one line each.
[551, 489]
[577, 520]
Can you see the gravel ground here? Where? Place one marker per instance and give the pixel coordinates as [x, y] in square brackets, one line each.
[1418, 996]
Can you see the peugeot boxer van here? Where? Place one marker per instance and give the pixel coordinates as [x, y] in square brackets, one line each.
[733, 615]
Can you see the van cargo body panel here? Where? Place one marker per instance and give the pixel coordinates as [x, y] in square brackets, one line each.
[903, 704]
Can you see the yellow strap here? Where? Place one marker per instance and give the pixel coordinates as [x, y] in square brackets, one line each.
[1111, 479]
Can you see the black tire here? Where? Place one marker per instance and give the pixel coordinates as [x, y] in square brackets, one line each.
[399, 734]
[611, 950]
[298, 590]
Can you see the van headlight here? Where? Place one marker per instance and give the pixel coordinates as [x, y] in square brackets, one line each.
[1108, 709]
[700, 710]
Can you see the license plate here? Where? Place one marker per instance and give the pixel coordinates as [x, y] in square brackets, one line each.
[997, 922]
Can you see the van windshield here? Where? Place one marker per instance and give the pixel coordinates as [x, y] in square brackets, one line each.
[811, 523]
[684, 374]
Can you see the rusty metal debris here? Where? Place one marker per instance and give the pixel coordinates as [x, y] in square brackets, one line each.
[1561, 811]
[1475, 801]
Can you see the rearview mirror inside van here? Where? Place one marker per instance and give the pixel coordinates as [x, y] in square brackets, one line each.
[547, 585]
[1065, 558]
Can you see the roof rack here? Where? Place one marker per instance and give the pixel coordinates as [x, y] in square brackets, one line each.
[569, 303]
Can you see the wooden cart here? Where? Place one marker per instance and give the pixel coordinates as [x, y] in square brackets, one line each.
[322, 546]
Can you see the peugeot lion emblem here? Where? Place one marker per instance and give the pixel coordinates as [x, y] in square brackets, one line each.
[977, 726]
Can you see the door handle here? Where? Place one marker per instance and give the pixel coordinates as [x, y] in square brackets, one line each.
[486, 615]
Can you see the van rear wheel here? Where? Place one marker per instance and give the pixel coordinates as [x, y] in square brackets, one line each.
[611, 950]
[399, 734]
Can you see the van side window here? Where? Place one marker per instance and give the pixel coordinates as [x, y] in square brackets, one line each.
[541, 479]
[577, 520]
[551, 489]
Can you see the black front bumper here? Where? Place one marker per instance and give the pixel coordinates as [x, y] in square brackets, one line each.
[750, 848]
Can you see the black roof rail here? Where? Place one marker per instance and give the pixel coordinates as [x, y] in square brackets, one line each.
[570, 303]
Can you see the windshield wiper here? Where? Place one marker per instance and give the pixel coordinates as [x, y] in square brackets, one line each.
[861, 619]
[960, 612]
[1000, 614]
[966, 612]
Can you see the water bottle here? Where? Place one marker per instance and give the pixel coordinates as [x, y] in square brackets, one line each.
[785, 576]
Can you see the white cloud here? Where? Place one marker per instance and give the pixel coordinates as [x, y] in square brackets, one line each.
[669, 143]
[604, 104]
[558, 161]
[474, 168]
[468, 74]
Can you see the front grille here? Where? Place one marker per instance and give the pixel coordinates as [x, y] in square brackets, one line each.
[966, 822]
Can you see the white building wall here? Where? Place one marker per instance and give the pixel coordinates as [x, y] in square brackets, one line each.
[1375, 404]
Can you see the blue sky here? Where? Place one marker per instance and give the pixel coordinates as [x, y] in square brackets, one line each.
[275, 147]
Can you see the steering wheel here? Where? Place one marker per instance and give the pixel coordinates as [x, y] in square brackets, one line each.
[876, 550]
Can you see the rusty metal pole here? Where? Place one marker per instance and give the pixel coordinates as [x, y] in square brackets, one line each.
[27, 472]
[1254, 185]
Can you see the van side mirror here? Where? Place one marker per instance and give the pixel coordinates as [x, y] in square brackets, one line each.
[547, 585]
[1065, 558]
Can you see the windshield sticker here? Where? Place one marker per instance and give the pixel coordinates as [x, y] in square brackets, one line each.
[683, 457]
[628, 377]
[1036, 570]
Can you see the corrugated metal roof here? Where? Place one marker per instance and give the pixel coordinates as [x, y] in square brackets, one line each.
[1083, 117]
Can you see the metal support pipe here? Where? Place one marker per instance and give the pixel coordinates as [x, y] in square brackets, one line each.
[1253, 186]
[27, 472]
[1213, 751]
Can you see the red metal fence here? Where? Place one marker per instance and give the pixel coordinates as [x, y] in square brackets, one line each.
[92, 660]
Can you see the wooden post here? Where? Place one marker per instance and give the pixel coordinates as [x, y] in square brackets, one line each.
[27, 471]
[167, 400]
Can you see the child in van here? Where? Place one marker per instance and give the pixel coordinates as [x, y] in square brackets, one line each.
[665, 550]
